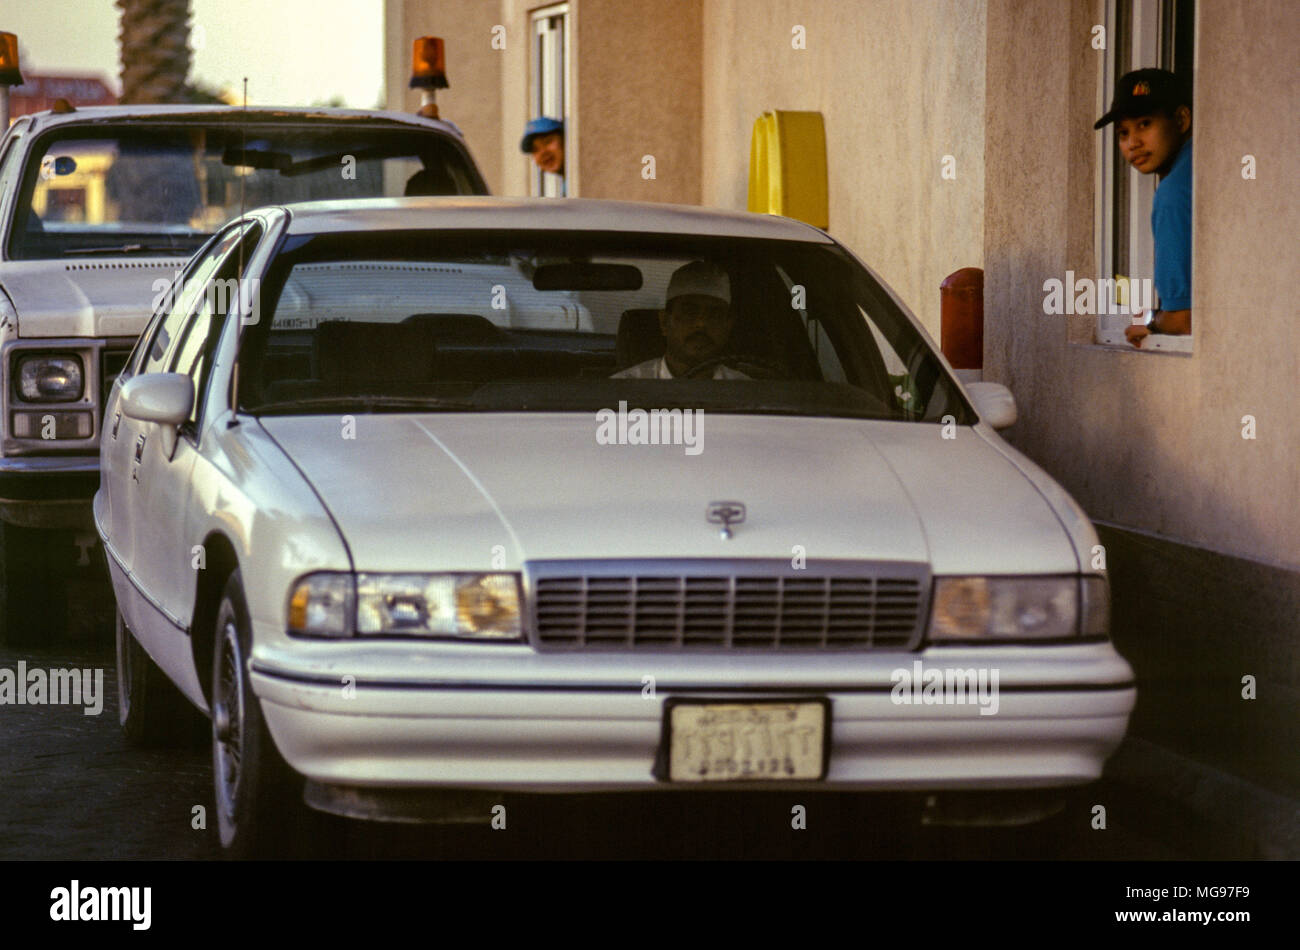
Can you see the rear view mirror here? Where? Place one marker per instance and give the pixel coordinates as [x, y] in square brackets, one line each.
[994, 403]
[164, 398]
[256, 155]
[585, 275]
[57, 166]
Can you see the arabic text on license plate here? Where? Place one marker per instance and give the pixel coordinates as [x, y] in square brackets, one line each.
[746, 742]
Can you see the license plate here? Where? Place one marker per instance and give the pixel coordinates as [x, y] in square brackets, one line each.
[745, 742]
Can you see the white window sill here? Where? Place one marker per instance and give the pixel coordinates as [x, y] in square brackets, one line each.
[1154, 343]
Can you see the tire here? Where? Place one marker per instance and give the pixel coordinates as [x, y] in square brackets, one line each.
[32, 597]
[150, 709]
[258, 798]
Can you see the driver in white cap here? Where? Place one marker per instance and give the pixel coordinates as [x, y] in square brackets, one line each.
[696, 321]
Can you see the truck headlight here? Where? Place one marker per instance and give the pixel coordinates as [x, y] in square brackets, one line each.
[1018, 608]
[50, 378]
[460, 606]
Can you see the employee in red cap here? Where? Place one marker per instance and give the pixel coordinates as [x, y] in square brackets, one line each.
[1152, 112]
[544, 140]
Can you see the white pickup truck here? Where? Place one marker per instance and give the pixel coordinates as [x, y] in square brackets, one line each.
[99, 210]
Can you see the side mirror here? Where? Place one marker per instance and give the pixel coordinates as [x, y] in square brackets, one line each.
[994, 403]
[164, 398]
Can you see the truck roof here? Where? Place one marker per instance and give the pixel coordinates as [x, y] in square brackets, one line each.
[224, 113]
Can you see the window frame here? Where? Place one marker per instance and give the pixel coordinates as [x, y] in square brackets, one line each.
[1139, 33]
[11, 159]
[211, 255]
[233, 265]
[550, 95]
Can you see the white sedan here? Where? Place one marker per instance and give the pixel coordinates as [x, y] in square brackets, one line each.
[452, 496]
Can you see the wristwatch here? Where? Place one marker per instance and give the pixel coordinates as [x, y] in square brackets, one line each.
[1151, 322]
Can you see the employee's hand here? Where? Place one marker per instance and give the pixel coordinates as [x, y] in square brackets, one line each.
[1138, 331]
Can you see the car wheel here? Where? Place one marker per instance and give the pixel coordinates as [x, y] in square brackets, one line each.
[258, 797]
[32, 609]
[150, 709]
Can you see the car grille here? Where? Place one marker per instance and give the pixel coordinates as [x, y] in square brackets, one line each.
[737, 605]
[110, 365]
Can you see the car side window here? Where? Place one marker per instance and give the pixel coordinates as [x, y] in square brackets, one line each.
[182, 296]
[198, 338]
[165, 305]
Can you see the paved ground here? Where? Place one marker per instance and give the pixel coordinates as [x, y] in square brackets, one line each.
[70, 788]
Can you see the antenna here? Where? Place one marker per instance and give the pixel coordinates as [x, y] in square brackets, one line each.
[243, 147]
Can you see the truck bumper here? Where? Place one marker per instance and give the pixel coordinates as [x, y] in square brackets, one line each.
[48, 492]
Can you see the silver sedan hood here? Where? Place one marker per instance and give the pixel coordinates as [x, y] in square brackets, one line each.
[90, 297]
[443, 491]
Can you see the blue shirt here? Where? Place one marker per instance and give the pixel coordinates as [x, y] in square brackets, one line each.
[1171, 225]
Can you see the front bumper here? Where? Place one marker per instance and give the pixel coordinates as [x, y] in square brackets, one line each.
[363, 731]
[48, 491]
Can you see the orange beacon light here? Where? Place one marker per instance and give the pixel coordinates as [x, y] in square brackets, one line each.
[9, 75]
[428, 72]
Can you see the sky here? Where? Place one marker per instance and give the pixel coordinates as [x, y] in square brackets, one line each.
[294, 52]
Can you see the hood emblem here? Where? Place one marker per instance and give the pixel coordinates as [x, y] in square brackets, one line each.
[725, 513]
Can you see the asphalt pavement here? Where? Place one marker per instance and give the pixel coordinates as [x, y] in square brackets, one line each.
[71, 788]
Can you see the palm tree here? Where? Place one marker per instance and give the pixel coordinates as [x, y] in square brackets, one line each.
[154, 37]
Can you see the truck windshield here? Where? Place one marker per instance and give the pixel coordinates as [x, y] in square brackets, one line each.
[164, 189]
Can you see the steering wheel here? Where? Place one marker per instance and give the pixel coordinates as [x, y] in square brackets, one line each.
[752, 366]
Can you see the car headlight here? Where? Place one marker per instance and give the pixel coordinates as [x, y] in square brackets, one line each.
[50, 378]
[1018, 608]
[474, 606]
[460, 606]
[322, 605]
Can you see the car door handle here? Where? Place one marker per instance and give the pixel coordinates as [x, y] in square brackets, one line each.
[139, 447]
[117, 421]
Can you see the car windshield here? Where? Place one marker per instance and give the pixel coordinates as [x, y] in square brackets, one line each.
[556, 321]
[165, 189]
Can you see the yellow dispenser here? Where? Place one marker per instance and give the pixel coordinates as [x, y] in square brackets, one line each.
[787, 167]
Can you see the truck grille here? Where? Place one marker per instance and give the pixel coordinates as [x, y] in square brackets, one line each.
[110, 365]
[735, 605]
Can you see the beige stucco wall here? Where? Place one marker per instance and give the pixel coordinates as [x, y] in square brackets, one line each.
[639, 92]
[1150, 441]
[635, 87]
[900, 85]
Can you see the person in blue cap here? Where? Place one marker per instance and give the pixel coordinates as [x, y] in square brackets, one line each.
[544, 140]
